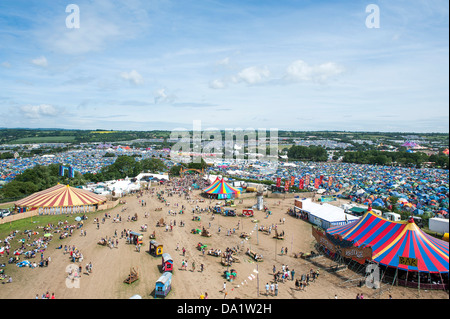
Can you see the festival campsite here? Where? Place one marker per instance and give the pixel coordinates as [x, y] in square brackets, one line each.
[177, 262]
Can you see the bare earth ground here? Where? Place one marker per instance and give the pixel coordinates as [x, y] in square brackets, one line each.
[112, 266]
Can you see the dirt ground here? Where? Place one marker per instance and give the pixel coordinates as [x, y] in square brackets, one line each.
[112, 266]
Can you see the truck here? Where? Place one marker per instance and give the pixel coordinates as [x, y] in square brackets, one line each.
[438, 225]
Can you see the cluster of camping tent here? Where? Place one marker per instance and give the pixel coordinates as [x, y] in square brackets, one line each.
[414, 198]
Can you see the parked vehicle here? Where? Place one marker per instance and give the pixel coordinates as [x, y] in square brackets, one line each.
[4, 213]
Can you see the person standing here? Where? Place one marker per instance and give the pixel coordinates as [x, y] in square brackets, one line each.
[292, 274]
[276, 289]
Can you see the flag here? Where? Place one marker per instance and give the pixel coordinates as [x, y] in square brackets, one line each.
[330, 181]
[316, 183]
[301, 184]
[292, 180]
[286, 185]
[278, 181]
[71, 172]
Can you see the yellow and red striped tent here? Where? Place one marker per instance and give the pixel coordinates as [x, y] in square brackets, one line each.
[60, 196]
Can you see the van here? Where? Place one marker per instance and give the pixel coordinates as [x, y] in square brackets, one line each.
[4, 213]
[392, 217]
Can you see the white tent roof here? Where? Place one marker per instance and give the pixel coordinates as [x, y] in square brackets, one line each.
[326, 211]
[159, 176]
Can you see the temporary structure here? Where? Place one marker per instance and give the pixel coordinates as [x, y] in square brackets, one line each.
[61, 199]
[221, 190]
[399, 245]
[390, 240]
[323, 215]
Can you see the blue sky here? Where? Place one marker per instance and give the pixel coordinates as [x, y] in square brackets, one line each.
[161, 64]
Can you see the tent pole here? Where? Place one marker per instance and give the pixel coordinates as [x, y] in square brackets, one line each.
[395, 277]
[418, 276]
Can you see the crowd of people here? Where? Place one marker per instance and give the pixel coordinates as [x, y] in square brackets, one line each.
[32, 243]
[305, 279]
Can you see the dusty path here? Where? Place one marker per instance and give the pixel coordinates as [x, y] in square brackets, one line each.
[112, 266]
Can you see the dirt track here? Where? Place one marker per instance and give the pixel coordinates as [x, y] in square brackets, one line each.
[112, 266]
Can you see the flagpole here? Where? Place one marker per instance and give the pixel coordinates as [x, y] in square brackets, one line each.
[257, 280]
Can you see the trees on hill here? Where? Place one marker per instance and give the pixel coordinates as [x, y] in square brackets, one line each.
[403, 158]
[42, 177]
[310, 153]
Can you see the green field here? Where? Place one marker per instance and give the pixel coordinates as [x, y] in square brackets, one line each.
[44, 139]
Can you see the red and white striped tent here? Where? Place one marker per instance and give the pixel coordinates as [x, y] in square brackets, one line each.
[61, 199]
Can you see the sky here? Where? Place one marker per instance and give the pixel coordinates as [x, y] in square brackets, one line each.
[299, 65]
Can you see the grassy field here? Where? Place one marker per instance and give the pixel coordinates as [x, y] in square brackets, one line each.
[33, 223]
[44, 139]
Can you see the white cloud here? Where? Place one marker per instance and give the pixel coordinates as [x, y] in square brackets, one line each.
[300, 71]
[6, 65]
[217, 84]
[225, 61]
[41, 61]
[134, 77]
[37, 111]
[162, 97]
[252, 75]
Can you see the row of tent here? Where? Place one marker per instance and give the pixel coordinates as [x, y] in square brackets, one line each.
[419, 190]
[414, 200]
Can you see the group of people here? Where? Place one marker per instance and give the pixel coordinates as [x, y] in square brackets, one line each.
[46, 295]
[306, 279]
[75, 253]
[284, 274]
[272, 289]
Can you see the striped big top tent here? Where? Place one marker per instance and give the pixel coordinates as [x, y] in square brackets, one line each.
[392, 242]
[61, 198]
[220, 189]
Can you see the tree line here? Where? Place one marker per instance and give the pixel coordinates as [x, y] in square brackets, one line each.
[403, 158]
[41, 177]
[308, 153]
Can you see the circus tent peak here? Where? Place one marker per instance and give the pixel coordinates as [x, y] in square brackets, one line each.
[61, 196]
[390, 240]
[222, 189]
